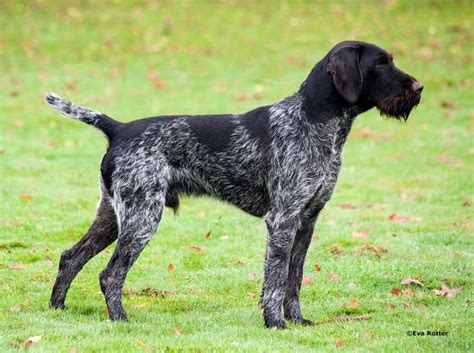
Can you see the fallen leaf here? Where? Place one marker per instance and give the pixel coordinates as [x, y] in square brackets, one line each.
[407, 305]
[339, 343]
[409, 281]
[466, 204]
[33, 339]
[171, 267]
[367, 335]
[317, 267]
[360, 235]
[449, 160]
[196, 249]
[252, 276]
[390, 306]
[448, 105]
[336, 250]
[376, 250]
[69, 144]
[395, 291]
[16, 266]
[208, 235]
[408, 293]
[354, 303]
[403, 219]
[447, 292]
[420, 308]
[380, 206]
[48, 262]
[12, 223]
[333, 276]
[26, 196]
[26, 301]
[155, 79]
[251, 295]
[15, 308]
[306, 281]
[240, 262]
[366, 132]
[177, 331]
[347, 206]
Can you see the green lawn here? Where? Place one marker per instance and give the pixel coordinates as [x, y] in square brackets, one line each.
[133, 60]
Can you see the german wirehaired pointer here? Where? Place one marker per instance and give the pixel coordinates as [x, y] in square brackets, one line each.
[279, 162]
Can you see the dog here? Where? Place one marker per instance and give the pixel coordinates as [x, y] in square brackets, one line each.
[279, 162]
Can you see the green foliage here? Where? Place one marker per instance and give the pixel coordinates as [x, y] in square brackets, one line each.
[132, 59]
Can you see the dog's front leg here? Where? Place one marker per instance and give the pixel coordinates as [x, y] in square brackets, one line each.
[291, 304]
[281, 234]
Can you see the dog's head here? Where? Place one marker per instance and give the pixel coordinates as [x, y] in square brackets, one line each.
[364, 75]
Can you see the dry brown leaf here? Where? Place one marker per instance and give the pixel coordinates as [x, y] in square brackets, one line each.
[447, 292]
[240, 262]
[25, 196]
[407, 305]
[317, 267]
[171, 267]
[15, 308]
[155, 79]
[339, 343]
[333, 276]
[336, 249]
[420, 308]
[448, 105]
[409, 281]
[196, 249]
[367, 335]
[395, 291]
[360, 235]
[403, 219]
[449, 160]
[306, 281]
[14, 266]
[177, 331]
[347, 206]
[251, 295]
[252, 276]
[12, 223]
[354, 303]
[390, 306]
[208, 235]
[366, 132]
[408, 293]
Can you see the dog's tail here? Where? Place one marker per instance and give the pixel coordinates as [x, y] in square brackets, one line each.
[100, 121]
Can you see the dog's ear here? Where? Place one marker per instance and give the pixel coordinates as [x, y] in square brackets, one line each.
[344, 68]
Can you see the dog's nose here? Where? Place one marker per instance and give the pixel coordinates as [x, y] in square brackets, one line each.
[417, 87]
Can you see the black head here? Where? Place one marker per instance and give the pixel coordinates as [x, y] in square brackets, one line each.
[364, 76]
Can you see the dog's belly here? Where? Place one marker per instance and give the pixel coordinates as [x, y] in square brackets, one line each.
[242, 188]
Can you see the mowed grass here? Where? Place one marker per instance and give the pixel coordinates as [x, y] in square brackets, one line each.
[132, 60]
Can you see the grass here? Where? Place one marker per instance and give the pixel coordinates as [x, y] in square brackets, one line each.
[132, 60]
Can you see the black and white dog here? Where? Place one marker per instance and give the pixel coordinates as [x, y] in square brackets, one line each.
[279, 162]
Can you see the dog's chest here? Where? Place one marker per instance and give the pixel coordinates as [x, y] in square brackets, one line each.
[329, 141]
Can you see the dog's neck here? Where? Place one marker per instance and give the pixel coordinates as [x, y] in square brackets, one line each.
[320, 100]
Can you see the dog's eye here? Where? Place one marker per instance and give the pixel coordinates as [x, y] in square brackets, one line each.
[380, 63]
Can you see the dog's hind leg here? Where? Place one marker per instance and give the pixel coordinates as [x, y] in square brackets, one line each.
[139, 216]
[102, 233]
[291, 303]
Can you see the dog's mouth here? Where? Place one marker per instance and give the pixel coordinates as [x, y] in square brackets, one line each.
[399, 106]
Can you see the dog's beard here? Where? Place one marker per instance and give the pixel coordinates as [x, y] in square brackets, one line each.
[399, 106]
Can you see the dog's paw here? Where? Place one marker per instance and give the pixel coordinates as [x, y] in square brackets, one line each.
[275, 324]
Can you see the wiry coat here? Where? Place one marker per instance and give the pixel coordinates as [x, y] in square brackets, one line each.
[280, 162]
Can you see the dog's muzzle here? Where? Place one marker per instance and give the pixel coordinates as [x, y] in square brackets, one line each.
[401, 105]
